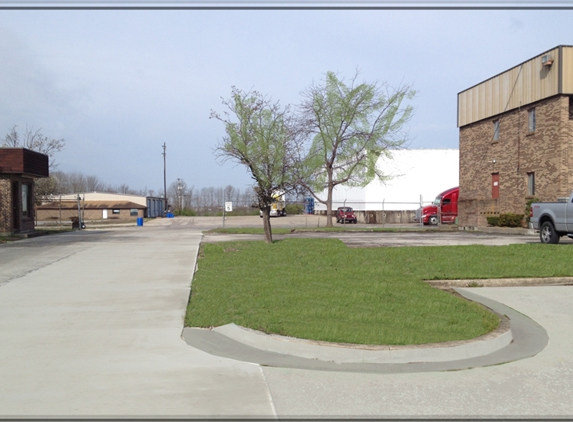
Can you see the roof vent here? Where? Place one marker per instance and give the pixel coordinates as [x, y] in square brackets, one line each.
[546, 60]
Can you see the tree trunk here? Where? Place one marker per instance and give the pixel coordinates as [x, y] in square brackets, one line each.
[267, 224]
[329, 206]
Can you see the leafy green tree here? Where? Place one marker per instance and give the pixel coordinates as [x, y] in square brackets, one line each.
[262, 136]
[351, 126]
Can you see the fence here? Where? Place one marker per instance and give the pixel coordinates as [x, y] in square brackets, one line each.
[367, 212]
[380, 212]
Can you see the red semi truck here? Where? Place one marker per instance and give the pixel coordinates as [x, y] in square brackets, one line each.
[447, 202]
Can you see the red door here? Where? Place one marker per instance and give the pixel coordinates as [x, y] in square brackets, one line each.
[495, 185]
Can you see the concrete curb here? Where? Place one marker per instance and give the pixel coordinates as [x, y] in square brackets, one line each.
[501, 230]
[347, 353]
[529, 338]
[503, 282]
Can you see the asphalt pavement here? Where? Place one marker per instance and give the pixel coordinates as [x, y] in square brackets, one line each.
[91, 325]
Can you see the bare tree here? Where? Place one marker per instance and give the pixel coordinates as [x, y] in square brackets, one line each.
[207, 198]
[179, 194]
[229, 193]
[188, 197]
[75, 182]
[93, 184]
[35, 141]
[124, 189]
[45, 188]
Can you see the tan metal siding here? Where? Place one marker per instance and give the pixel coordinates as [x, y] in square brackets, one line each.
[567, 65]
[517, 87]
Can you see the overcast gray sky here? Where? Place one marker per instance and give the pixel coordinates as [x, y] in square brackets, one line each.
[117, 84]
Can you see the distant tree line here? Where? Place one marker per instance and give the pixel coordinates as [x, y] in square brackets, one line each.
[188, 200]
[61, 183]
[181, 198]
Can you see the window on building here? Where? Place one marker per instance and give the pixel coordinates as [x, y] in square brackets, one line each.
[530, 184]
[133, 212]
[496, 130]
[115, 211]
[531, 120]
[26, 200]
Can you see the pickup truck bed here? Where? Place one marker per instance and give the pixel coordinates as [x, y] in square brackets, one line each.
[552, 219]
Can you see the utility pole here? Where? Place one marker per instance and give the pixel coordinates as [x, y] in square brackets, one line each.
[79, 213]
[164, 181]
[179, 194]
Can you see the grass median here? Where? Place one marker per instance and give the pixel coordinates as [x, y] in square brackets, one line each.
[320, 289]
[339, 228]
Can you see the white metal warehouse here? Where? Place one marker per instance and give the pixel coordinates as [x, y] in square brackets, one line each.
[418, 175]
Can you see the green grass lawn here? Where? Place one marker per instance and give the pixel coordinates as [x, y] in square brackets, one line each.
[321, 289]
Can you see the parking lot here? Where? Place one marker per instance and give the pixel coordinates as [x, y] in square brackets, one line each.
[412, 234]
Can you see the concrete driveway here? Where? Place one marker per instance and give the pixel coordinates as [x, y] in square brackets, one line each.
[91, 325]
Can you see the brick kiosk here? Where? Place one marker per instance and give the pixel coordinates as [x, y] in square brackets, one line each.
[19, 168]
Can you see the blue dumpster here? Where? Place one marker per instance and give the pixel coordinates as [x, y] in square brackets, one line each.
[309, 205]
[140, 221]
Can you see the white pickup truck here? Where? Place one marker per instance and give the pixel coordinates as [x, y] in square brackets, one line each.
[552, 219]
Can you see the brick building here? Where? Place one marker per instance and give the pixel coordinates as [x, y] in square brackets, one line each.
[19, 168]
[65, 210]
[516, 138]
[100, 206]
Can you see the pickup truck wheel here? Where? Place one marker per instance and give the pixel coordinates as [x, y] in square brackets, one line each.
[547, 234]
